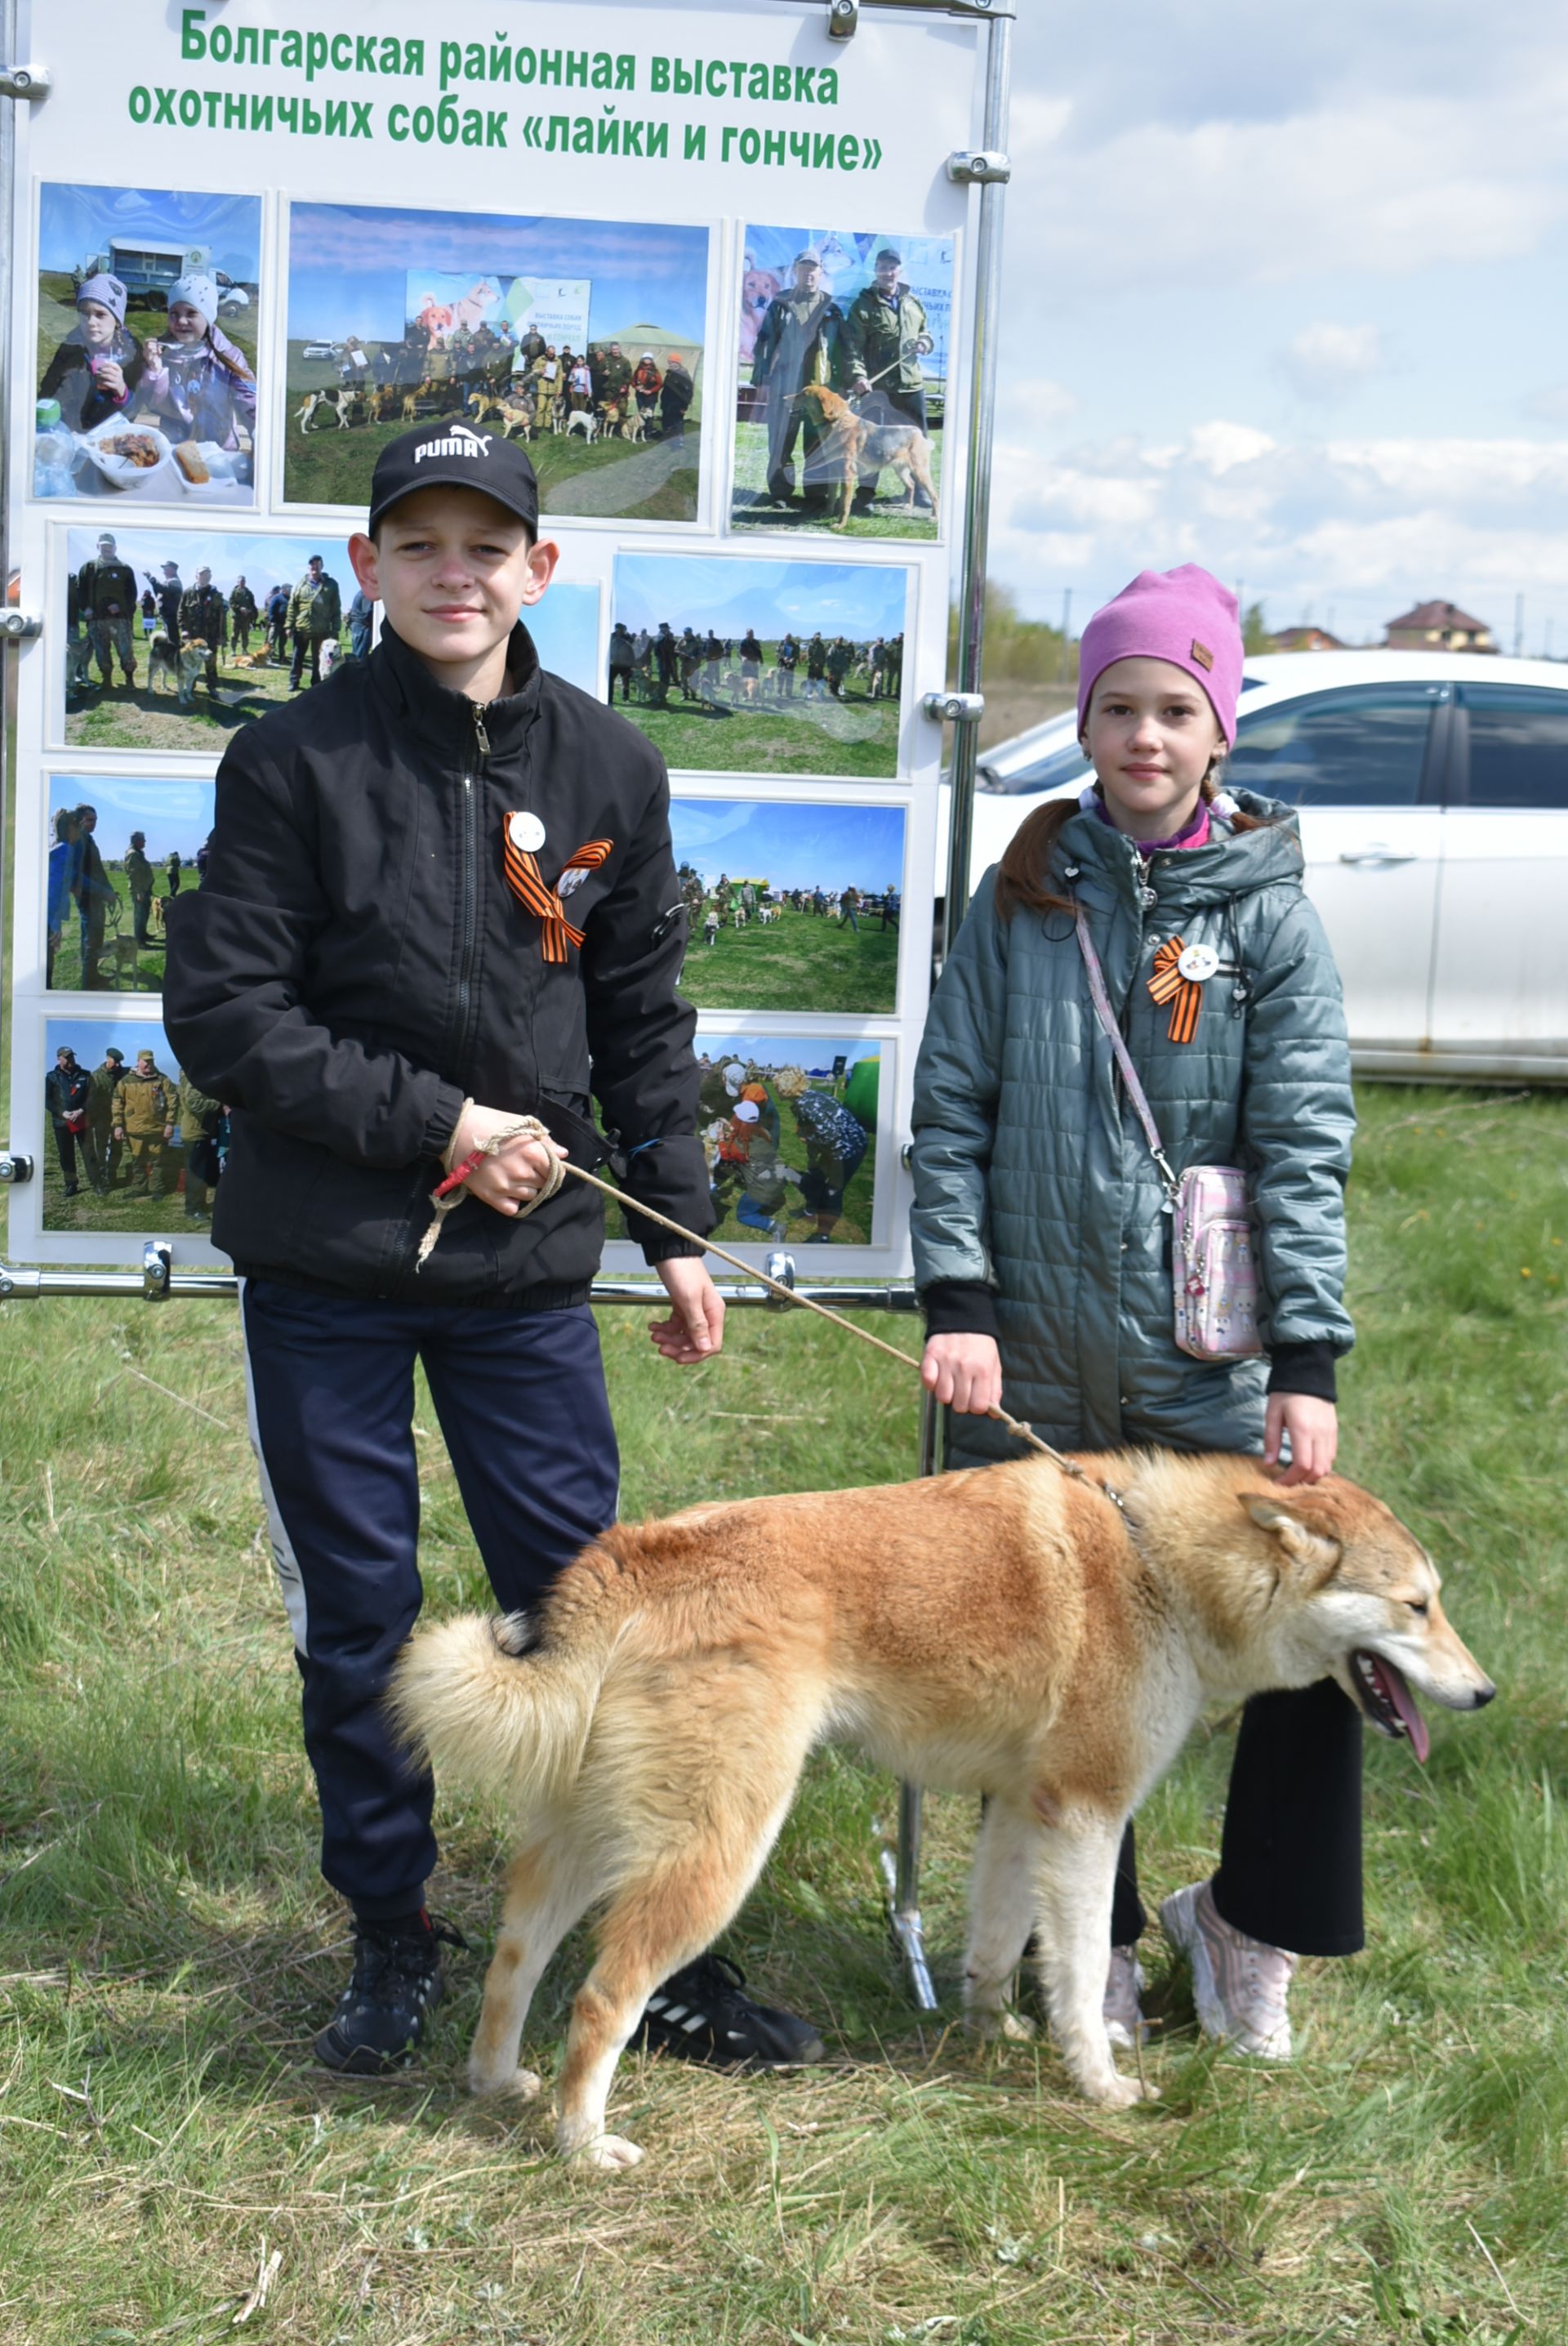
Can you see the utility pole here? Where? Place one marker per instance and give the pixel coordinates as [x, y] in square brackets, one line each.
[1066, 623]
[1546, 648]
[1518, 626]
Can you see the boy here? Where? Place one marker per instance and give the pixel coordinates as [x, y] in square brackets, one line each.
[362, 980]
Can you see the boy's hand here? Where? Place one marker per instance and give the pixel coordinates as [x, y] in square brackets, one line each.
[963, 1372]
[517, 1171]
[694, 1329]
[1313, 1426]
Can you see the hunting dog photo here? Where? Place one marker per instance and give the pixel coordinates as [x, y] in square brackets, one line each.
[1006, 1631]
[856, 449]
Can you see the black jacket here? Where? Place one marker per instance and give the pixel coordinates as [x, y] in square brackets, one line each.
[355, 963]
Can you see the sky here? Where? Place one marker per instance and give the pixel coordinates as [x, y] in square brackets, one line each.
[815, 1053]
[730, 593]
[792, 844]
[565, 626]
[348, 263]
[172, 814]
[1283, 295]
[229, 555]
[76, 222]
[91, 1037]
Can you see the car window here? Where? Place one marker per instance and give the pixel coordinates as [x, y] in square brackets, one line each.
[1363, 746]
[1044, 773]
[1518, 745]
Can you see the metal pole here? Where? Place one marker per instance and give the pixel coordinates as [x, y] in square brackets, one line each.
[8, 54]
[903, 1874]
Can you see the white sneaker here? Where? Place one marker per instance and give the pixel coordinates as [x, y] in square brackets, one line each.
[1239, 1985]
[1125, 2024]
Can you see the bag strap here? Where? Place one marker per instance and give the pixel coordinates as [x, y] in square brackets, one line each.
[1107, 1018]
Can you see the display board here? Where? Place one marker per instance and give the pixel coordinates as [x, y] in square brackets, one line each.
[659, 244]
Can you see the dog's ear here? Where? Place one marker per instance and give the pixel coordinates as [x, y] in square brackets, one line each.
[1312, 1551]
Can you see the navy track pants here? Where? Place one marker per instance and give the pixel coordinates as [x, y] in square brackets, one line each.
[522, 1404]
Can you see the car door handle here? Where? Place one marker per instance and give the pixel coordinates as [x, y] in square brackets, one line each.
[1375, 855]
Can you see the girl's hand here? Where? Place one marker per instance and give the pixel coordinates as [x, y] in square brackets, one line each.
[1313, 1426]
[110, 379]
[963, 1372]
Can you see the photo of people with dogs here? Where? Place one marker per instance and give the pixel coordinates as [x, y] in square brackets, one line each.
[841, 397]
[148, 324]
[788, 1128]
[733, 665]
[119, 850]
[790, 905]
[132, 1145]
[582, 338]
[175, 638]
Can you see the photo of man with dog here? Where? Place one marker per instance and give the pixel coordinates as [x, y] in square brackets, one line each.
[108, 880]
[583, 339]
[791, 904]
[158, 665]
[843, 378]
[735, 665]
[149, 316]
[141, 1148]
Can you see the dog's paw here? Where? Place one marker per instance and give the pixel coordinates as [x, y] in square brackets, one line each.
[609, 2154]
[1113, 2092]
[522, 2085]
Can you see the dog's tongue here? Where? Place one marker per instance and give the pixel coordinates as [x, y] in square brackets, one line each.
[1404, 1702]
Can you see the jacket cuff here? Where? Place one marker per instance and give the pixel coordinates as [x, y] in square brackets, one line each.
[959, 1307]
[1304, 1369]
[441, 1122]
[661, 1246]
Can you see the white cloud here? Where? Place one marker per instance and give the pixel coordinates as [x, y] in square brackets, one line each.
[1324, 361]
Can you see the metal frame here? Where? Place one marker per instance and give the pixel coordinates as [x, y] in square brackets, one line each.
[985, 167]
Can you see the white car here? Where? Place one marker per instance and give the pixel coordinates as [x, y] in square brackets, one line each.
[1432, 789]
[323, 350]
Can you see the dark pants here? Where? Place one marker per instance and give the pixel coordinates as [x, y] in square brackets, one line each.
[305, 646]
[625, 675]
[1290, 1858]
[522, 1404]
[65, 1149]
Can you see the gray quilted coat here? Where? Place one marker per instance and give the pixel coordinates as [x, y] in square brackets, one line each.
[1031, 1173]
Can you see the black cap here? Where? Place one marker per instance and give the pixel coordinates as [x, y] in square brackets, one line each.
[448, 450]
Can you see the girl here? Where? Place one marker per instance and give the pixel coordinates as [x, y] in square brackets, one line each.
[198, 385]
[1041, 1248]
[98, 365]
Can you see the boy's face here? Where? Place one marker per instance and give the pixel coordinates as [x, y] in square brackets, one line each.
[452, 568]
[186, 325]
[97, 324]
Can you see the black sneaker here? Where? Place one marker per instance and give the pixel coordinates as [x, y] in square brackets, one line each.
[700, 2014]
[382, 2014]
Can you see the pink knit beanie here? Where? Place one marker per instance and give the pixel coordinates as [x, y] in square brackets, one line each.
[1182, 616]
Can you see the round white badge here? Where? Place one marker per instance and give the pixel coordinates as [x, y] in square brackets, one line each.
[1198, 963]
[526, 833]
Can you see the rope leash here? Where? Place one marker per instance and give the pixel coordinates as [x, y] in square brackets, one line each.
[449, 1192]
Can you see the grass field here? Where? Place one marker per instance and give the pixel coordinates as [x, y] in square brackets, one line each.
[137, 970]
[795, 963]
[854, 735]
[134, 717]
[167, 1951]
[751, 508]
[612, 479]
[117, 1212]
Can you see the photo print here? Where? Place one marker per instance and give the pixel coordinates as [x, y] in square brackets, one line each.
[175, 638]
[584, 338]
[735, 665]
[119, 848]
[132, 1146]
[791, 905]
[841, 396]
[788, 1128]
[565, 626]
[148, 324]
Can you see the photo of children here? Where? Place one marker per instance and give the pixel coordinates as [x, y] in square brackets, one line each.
[842, 392]
[788, 1129]
[789, 905]
[733, 665]
[565, 626]
[118, 850]
[132, 1145]
[584, 338]
[148, 320]
[173, 639]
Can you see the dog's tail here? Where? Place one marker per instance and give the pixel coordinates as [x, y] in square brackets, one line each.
[499, 1705]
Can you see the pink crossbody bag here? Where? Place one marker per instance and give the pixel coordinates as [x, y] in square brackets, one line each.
[1213, 1268]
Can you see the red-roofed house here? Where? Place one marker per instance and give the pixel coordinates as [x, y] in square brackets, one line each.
[1304, 639]
[1438, 628]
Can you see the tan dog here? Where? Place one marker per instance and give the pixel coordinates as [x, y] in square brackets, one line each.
[854, 445]
[1004, 1631]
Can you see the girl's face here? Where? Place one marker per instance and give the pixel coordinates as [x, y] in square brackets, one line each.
[1151, 735]
[186, 325]
[97, 324]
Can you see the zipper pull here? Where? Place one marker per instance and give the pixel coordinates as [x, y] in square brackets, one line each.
[480, 735]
